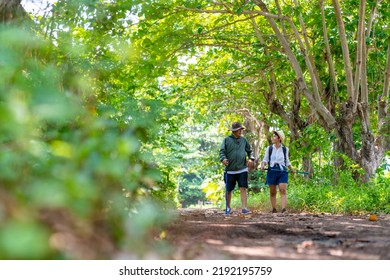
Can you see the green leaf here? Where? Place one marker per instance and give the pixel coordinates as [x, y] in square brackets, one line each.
[24, 240]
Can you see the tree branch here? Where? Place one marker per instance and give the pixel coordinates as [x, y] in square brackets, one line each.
[314, 103]
[235, 47]
[328, 52]
[226, 25]
[280, 14]
[359, 86]
[371, 20]
[244, 12]
[309, 53]
[305, 49]
[344, 46]
[383, 101]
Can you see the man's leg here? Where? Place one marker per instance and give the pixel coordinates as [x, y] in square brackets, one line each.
[229, 182]
[243, 185]
[244, 197]
[228, 199]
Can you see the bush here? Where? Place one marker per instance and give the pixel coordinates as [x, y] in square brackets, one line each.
[72, 180]
[320, 195]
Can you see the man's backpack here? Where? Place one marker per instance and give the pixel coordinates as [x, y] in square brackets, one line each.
[284, 152]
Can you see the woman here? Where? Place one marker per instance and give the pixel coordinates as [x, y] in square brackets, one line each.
[276, 156]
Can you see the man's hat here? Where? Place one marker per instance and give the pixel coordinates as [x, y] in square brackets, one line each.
[236, 126]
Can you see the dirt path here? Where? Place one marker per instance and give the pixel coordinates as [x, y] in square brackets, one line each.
[209, 234]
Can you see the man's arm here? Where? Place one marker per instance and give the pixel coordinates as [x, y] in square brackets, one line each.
[249, 151]
[222, 153]
[251, 160]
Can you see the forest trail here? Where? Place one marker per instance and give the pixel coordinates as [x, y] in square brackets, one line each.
[210, 234]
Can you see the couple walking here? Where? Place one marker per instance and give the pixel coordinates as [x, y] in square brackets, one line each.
[235, 149]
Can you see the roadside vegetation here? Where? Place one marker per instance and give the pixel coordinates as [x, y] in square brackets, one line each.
[315, 195]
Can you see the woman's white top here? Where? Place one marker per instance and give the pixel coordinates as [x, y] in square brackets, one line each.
[277, 157]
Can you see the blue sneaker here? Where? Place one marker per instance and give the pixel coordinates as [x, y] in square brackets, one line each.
[228, 211]
[246, 211]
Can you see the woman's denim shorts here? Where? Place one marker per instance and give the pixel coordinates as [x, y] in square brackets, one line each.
[276, 176]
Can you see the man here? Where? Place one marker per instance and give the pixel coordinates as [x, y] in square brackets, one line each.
[233, 154]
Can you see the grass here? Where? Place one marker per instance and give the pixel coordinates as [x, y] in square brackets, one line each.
[319, 195]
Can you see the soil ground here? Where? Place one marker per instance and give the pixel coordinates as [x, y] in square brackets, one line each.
[210, 234]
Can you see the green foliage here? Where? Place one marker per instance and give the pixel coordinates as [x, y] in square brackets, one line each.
[189, 191]
[145, 218]
[214, 189]
[352, 199]
[58, 153]
[256, 181]
[190, 194]
[24, 240]
[319, 195]
[165, 192]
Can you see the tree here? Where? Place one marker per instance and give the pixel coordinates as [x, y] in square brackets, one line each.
[345, 101]
[355, 108]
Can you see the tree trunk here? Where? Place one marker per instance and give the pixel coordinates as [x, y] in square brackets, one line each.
[12, 11]
[254, 133]
[308, 166]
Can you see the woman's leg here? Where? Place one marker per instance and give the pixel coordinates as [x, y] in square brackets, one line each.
[272, 192]
[283, 195]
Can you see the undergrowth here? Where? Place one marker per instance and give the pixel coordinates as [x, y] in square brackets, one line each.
[320, 195]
